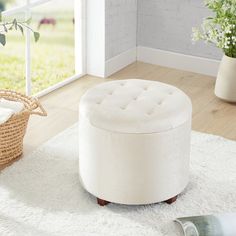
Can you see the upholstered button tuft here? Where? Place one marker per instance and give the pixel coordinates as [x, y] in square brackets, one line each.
[123, 105]
[150, 112]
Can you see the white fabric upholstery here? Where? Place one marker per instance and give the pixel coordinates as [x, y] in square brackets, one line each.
[127, 155]
[16, 107]
[135, 106]
[5, 114]
[8, 108]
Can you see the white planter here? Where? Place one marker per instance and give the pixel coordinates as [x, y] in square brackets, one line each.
[225, 87]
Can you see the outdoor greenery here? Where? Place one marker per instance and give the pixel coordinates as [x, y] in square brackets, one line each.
[219, 29]
[52, 57]
[7, 26]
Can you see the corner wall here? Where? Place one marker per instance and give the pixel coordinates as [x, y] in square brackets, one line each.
[121, 26]
[120, 32]
[167, 25]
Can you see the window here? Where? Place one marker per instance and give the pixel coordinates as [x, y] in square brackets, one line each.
[56, 59]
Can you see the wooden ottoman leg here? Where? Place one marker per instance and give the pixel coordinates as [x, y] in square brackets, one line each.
[102, 202]
[171, 200]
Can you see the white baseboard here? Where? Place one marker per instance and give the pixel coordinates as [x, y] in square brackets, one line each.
[120, 61]
[163, 58]
[178, 61]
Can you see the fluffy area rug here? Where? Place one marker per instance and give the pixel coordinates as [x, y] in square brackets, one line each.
[41, 194]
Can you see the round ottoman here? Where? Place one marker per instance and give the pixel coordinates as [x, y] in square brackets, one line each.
[134, 142]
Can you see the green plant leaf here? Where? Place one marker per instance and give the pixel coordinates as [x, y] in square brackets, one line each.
[28, 21]
[15, 24]
[21, 29]
[0, 16]
[11, 27]
[3, 39]
[36, 36]
[5, 28]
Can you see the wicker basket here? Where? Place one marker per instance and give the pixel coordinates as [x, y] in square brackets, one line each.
[13, 131]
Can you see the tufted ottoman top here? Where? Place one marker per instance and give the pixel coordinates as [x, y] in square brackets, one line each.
[135, 106]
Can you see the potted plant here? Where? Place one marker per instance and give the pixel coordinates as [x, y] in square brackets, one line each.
[220, 29]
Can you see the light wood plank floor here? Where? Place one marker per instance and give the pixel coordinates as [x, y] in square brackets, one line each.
[210, 114]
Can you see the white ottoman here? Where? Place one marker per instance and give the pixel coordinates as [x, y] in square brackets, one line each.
[134, 144]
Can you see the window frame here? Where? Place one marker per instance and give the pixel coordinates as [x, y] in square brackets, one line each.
[79, 43]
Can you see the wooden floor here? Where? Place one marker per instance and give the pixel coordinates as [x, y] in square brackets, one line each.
[210, 114]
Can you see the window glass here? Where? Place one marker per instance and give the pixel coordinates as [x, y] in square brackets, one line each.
[12, 61]
[53, 55]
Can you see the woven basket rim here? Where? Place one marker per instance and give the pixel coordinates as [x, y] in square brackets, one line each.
[16, 96]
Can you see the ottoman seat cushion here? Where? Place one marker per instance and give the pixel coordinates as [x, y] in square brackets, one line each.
[135, 106]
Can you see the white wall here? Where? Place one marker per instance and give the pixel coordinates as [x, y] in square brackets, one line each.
[120, 32]
[111, 32]
[121, 26]
[95, 37]
[167, 25]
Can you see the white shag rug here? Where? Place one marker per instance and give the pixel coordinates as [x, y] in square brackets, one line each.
[41, 194]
